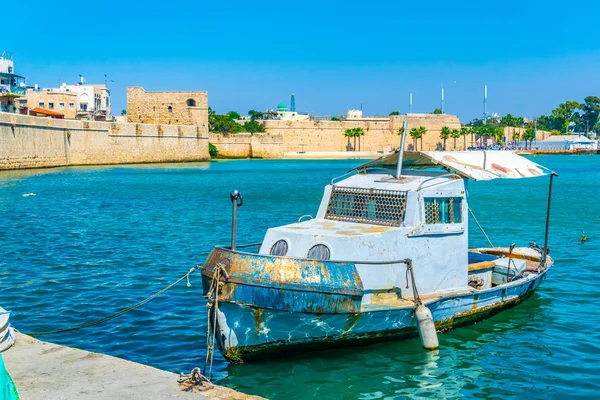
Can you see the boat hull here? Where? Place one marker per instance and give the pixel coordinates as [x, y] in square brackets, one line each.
[247, 332]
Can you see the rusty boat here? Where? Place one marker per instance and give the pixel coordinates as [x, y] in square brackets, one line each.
[385, 257]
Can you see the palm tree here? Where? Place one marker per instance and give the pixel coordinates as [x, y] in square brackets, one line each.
[444, 135]
[422, 132]
[516, 136]
[464, 131]
[351, 133]
[359, 132]
[454, 134]
[414, 133]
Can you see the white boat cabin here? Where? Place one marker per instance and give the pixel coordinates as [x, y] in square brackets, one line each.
[374, 216]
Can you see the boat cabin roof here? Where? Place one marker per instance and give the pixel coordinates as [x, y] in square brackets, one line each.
[477, 165]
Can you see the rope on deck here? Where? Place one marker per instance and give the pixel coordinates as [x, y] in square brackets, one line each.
[121, 312]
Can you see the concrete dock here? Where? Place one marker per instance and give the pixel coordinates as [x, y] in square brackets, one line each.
[46, 371]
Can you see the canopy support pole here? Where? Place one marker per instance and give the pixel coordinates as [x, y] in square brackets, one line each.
[552, 175]
[401, 150]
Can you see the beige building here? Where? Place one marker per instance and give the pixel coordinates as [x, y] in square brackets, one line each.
[170, 108]
[58, 101]
[76, 101]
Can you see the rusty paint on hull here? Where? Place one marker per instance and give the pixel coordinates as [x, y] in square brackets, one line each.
[307, 332]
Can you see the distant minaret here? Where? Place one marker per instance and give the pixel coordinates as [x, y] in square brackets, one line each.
[442, 99]
[485, 103]
[410, 103]
[293, 103]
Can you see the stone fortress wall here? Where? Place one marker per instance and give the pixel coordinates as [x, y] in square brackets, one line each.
[34, 142]
[169, 108]
[381, 135]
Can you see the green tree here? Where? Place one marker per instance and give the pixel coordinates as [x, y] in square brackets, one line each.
[516, 137]
[254, 115]
[354, 133]
[123, 113]
[394, 113]
[359, 133]
[418, 133]
[454, 134]
[591, 110]
[498, 134]
[529, 134]
[335, 119]
[223, 124]
[212, 150]
[234, 115]
[444, 135]
[464, 132]
[436, 111]
[253, 126]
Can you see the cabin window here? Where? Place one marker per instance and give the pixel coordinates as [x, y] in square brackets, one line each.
[319, 252]
[443, 210]
[280, 248]
[370, 206]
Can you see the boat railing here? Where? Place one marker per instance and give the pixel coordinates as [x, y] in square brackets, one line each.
[437, 177]
[228, 248]
[353, 171]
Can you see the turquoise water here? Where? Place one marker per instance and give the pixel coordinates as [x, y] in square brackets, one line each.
[95, 240]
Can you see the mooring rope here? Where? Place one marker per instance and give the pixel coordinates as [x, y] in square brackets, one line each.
[213, 302]
[481, 227]
[121, 312]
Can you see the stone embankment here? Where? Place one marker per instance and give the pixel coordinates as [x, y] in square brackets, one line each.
[35, 142]
[46, 371]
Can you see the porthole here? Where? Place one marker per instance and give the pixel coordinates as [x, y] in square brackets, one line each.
[319, 252]
[280, 248]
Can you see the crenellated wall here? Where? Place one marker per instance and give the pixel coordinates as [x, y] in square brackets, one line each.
[35, 142]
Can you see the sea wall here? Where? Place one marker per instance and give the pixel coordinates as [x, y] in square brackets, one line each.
[248, 145]
[381, 134]
[35, 142]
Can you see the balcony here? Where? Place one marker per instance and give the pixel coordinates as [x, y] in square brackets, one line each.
[8, 90]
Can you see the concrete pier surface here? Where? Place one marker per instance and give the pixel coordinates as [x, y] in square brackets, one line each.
[47, 371]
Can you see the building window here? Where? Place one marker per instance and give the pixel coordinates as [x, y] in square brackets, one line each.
[41, 105]
[191, 103]
[23, 103]
[170, 109]
[61, 106]
[71, 105]
[443, 210]
[51, 106]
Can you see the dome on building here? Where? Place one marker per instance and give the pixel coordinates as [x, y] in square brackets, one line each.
[281, 107]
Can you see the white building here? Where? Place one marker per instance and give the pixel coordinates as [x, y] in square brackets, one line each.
[567, 142]
[283, 114]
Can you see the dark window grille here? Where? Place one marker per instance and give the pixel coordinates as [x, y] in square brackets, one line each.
[369, 206]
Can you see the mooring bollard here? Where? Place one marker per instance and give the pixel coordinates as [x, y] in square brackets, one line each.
[237, 201]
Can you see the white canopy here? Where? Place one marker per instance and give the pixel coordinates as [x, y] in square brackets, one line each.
[479, 165]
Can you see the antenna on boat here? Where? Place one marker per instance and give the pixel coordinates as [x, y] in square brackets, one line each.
[401, 151]
[237, 201]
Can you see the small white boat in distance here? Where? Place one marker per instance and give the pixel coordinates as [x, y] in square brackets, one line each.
[385, 257]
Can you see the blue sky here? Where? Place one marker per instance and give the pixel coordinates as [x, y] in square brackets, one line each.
[333, 55]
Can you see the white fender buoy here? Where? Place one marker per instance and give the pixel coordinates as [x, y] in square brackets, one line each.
[426, 327]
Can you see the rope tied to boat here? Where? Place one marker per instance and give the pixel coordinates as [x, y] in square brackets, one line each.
[120, 312]
[480, 227]
[213, 304]
[409, 269]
